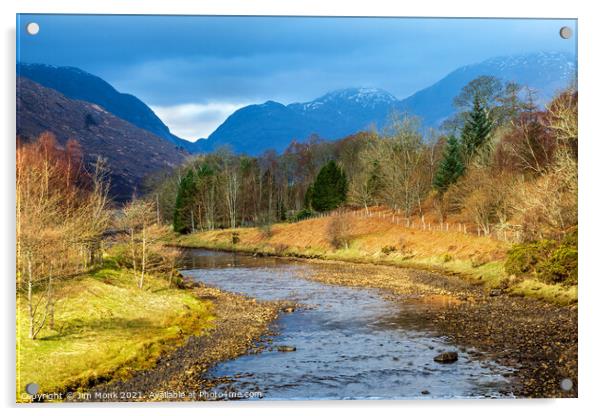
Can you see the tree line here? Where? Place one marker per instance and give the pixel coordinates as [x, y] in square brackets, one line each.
[501, 162]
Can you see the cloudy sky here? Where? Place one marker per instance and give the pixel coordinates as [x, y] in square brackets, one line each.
[194, 71]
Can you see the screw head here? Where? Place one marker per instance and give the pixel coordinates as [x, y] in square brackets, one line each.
[32, 28]
[566, 384]
[32, 388]
[566, 32]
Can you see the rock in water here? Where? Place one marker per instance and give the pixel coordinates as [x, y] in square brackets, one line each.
[286, 348]
[447, 357]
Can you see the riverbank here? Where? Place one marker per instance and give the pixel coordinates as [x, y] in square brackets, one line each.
[476, 259]
[107, 330]
[473, 304]
[239, 324]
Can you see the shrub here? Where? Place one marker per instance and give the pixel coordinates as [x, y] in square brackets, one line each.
[548, 260]
[235, 238]
[523, 258]
[338, 233]
[561, 265]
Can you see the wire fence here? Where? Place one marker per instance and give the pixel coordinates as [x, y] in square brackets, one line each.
[503, 232]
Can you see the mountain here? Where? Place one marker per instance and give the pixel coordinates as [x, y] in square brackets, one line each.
[132, 153]
[546, 72]
[271, 125]
[80, 85]
[256, 128]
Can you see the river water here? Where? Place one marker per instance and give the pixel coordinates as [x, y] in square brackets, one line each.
[351, 343]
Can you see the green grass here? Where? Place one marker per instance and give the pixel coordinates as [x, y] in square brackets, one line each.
[105, 327]
[556, 293]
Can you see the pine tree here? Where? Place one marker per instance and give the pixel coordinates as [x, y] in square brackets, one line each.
[182, 220]
[476, 130]
[451, 167]
[329, 190]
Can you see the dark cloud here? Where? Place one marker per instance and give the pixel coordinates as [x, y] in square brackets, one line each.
[175, 60]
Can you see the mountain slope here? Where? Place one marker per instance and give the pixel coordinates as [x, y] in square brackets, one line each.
[256, 128]
[250, 128]
[80, 85]
[132, 153]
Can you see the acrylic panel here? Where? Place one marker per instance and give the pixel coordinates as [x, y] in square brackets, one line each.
[295, 208]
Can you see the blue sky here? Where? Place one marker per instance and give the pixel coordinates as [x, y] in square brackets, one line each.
[194, 71]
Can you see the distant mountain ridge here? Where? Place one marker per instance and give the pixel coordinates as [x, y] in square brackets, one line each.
[272, 125]
[80, 85]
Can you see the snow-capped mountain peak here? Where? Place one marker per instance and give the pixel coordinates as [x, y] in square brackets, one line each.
[362, 97]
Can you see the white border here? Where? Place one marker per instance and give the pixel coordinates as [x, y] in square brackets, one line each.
[589, 181]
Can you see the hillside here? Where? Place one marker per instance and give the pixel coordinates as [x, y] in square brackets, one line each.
[132, 153]
[81, 85]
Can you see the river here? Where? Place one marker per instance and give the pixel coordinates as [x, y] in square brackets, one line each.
[350, 343]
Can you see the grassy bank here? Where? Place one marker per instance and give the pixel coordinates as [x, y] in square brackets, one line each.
[106, 328]
[376, 241]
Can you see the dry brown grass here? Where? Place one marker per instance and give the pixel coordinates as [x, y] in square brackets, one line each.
[378, 240]
[368, 237]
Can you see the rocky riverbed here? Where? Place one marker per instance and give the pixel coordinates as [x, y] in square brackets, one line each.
[537, 338]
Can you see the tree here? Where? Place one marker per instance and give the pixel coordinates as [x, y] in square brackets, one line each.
[231, 181]
[487, 89]
[367, 183]
[183, 220]
[451, 166]
[403, 175]
[501, 101]
[476, 130]
[329, 190]
[138, 217]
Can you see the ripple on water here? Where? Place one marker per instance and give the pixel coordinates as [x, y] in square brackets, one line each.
[349, 344]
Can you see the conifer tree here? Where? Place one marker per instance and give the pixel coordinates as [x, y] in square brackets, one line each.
[476, 130]
[451, 167]
[183, 221]
[329, 190]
